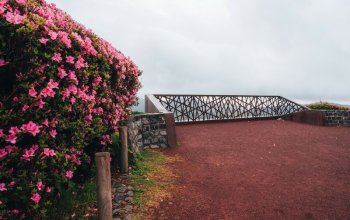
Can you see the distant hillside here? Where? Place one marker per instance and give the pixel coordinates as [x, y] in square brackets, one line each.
[140, 107]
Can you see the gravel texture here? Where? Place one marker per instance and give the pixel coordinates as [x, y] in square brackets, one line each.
[270, 169]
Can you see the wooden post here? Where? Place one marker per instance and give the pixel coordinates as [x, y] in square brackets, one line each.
[104, 191]
[124, 165]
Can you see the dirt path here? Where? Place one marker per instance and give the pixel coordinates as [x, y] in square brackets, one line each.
[260, 170]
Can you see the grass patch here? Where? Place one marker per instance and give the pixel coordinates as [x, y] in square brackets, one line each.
[152, 180]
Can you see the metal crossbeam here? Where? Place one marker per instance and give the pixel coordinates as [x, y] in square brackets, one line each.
[188, 108]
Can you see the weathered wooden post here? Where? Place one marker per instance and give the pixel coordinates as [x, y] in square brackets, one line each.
[123, 131]
[104, 191]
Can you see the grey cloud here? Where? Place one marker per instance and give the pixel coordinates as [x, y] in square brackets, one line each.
[298, 49]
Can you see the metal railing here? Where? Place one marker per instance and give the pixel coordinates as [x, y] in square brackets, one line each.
[192, 108]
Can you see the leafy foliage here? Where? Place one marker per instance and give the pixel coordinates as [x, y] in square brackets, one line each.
[63, 91]
[325, 106]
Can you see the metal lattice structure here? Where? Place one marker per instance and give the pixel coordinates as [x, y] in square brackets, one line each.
[189, 108]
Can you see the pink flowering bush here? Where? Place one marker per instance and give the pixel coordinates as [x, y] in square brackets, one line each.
[62, 88]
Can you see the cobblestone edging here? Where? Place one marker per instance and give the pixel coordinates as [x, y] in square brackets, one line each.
[122, 197]
[147, 131]
[337, 118]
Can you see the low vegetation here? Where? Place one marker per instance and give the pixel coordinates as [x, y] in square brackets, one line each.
[152, 177]
[78, 204]
[326, 106]
[137, 113]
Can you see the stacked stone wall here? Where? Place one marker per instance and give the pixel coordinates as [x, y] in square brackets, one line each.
[147, 131]
[337, 118]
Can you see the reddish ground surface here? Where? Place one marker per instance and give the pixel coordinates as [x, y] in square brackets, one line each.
[260, 170]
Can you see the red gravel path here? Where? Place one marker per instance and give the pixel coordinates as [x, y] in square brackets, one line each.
[260, 170]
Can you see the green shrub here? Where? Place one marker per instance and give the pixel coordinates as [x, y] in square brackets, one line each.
[63, 91]
[325, 106]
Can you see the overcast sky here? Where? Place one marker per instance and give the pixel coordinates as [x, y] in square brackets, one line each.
[299, 49]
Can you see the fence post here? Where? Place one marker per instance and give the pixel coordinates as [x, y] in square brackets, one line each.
[104, 191]
[123, 131]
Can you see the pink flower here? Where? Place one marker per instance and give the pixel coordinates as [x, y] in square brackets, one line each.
[72, 100]
[53, 123]
[34, 147]
[12, 183]
[12, 138]
[43, 40]
[75, 159]
[36, 198]
[31, 127]
[72, 76]
[1, 133]
[46, 122]
[40, 185]
[61, 72]
[106, 138]
[48, 189]
[65, 94]
[2, 187]
[63, 37]
[88, 117]
[40, 103]
[25, 107]
[3, 62]
[97, 80]
[53, 35]
[14, 130]
[42, 68]
[57, 57]
[49, 152]
[15, 211]
[53, 133]
[10, 148]
[48, 90]
[32, 92]
[52, 84]
[70, 59]
[28, 154]
[15, 18]
[80, 63]
[69, 174]
[73, 89]
[3, 153]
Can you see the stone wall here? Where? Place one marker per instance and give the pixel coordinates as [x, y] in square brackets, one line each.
[147, 131]
[313, 117]
[337, 118]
